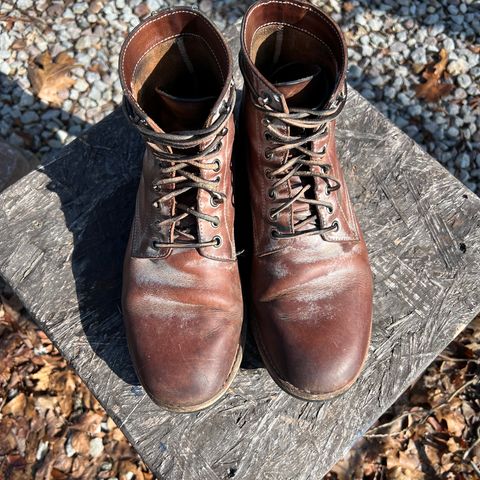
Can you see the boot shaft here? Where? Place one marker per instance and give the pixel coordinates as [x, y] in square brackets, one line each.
[176, 74]
[293, 58]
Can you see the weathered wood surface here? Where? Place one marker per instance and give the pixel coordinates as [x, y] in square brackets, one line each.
[63, 230]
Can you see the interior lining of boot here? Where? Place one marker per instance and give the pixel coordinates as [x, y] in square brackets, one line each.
[284, 48]
[182, 67]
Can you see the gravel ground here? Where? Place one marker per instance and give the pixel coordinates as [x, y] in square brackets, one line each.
[390, 43]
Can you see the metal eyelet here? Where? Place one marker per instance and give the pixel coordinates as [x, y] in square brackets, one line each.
[155, 187]
[155, 245]
[266, 122]
[226, 107]
[218, 241]
[267, 136]
[271, 214]
[213, 202]
[156, 204]
[264, 98]
[327, 191]
[216, 179]
[268, 154]
[215, 223]
[218, 147]
[329, 209]
[224, 131]
[336, 225]
[323, 150]
[274, 234]
[272, 194]
[268, 174]
[217, 163]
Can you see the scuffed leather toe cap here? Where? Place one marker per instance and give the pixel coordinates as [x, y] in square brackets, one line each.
[314, 343]
[184, 368]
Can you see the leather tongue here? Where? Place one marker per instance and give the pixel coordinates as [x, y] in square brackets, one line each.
[302, 85]
[177, 114]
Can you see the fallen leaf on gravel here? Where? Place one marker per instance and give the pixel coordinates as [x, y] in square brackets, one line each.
[433, 89]
[49, 77]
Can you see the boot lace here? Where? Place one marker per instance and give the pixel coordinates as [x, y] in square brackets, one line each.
[181, 158]
[305, 126]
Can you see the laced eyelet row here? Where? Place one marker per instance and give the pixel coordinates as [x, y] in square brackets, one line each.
[156, 245]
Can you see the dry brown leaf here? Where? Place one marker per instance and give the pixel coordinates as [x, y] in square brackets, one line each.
[80, 442]
[50, 76]
[43, 378]
[453, 418]
[16, 406]
[433, 89]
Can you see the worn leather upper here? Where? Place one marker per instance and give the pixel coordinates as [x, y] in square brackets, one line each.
[312, 293]
[182, 306]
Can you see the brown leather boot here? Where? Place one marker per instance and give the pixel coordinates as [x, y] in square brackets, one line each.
[182, 300]
[311, 280]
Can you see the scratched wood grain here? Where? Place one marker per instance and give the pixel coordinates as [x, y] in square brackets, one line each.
[63, 230]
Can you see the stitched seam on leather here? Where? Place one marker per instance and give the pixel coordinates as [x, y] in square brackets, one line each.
[354, 232]
[229, 148]
[200, 224]
[167, 14]
[295, 28]
[176, 36]
[318, 14]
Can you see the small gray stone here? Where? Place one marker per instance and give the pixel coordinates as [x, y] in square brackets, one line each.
[458, 19]
[453, 132]
[437, 29]
[5, 68]
[355, 71]
[367, 50]
[463, 161]
[397, 47]
[431, 19]
[457, 67]
[403, 99]
[96, 447]
[453, 109]
[460, 94]
[464, 81]
[449, 45]
[29, 117]
[368, 94]
[415, 110]
[24, 4]
[419, 55]
[83, 42]
[452, 9]
[375, 24]
[79, 8]
[389, 92]
[81, 85]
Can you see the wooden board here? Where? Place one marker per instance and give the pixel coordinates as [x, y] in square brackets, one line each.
[63, 230]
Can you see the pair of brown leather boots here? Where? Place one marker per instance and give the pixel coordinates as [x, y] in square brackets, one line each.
[311, 284]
